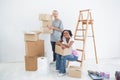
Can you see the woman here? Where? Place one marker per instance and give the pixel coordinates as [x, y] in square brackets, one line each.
[65, 42]
[57, 28]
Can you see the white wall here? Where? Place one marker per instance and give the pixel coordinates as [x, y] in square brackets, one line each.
[17, 16]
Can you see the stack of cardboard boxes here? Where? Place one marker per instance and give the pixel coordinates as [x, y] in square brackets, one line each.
[46, 22]
[34, 48]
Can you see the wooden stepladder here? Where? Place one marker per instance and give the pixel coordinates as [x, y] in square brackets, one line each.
[84, 21]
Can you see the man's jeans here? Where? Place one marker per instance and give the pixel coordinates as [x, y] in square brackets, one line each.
[53, 49]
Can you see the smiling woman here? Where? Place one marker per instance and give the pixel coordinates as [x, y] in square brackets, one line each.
[66, 42]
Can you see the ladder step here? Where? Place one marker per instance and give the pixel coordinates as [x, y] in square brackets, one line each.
[85, 21]
[89, 36]
[85, 10]
[82, 36]
[80, 49]
[79, 39]
[78, 35]
[81, 29]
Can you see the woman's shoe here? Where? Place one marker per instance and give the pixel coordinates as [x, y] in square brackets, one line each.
[79, 61]
[61, 74]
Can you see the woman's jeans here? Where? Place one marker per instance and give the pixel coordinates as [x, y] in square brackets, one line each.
[61, 62]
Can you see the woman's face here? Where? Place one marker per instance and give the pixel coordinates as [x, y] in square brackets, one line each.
[66, 34]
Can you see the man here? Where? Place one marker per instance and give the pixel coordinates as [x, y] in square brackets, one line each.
[57, 28]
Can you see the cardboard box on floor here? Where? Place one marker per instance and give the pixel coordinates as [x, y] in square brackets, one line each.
[30, 63]
[45, 17]
[63, 52]
[46, 30]
[31, 36]
[35, 48]
[74, 71]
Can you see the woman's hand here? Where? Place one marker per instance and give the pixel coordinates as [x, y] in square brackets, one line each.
[63, 46]
[67, 46]
[70, 44]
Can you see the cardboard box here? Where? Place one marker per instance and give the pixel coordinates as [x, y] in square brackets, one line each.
[44, 17]
[63, 52]
[46, 23]
[74, 71]
[30, 63]
[46, 30]
[31, 36]
[35, 48]
[40, 48]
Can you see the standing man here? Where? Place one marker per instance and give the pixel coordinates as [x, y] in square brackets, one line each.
[57, 28]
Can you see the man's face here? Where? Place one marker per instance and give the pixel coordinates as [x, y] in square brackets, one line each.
[55, 14]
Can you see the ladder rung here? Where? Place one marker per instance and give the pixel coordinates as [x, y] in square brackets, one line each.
[84, 10]
[80, 49]
[85, 21]
[89, 36]
[78, 35]
[79, 39]
[82, 36]
[81, 29]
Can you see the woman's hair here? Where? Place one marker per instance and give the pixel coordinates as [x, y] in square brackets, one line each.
[69, 31]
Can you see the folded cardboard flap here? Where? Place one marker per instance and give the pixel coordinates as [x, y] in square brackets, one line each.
[37, 32]
[29, 33]
[31, 36]
[33, 32]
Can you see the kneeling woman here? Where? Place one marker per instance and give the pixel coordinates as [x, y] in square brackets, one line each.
[65, 42]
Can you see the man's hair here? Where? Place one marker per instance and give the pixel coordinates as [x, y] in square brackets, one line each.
[55, 11]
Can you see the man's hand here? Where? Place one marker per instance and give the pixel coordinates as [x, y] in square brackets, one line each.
[50, 27]
[54, 28]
